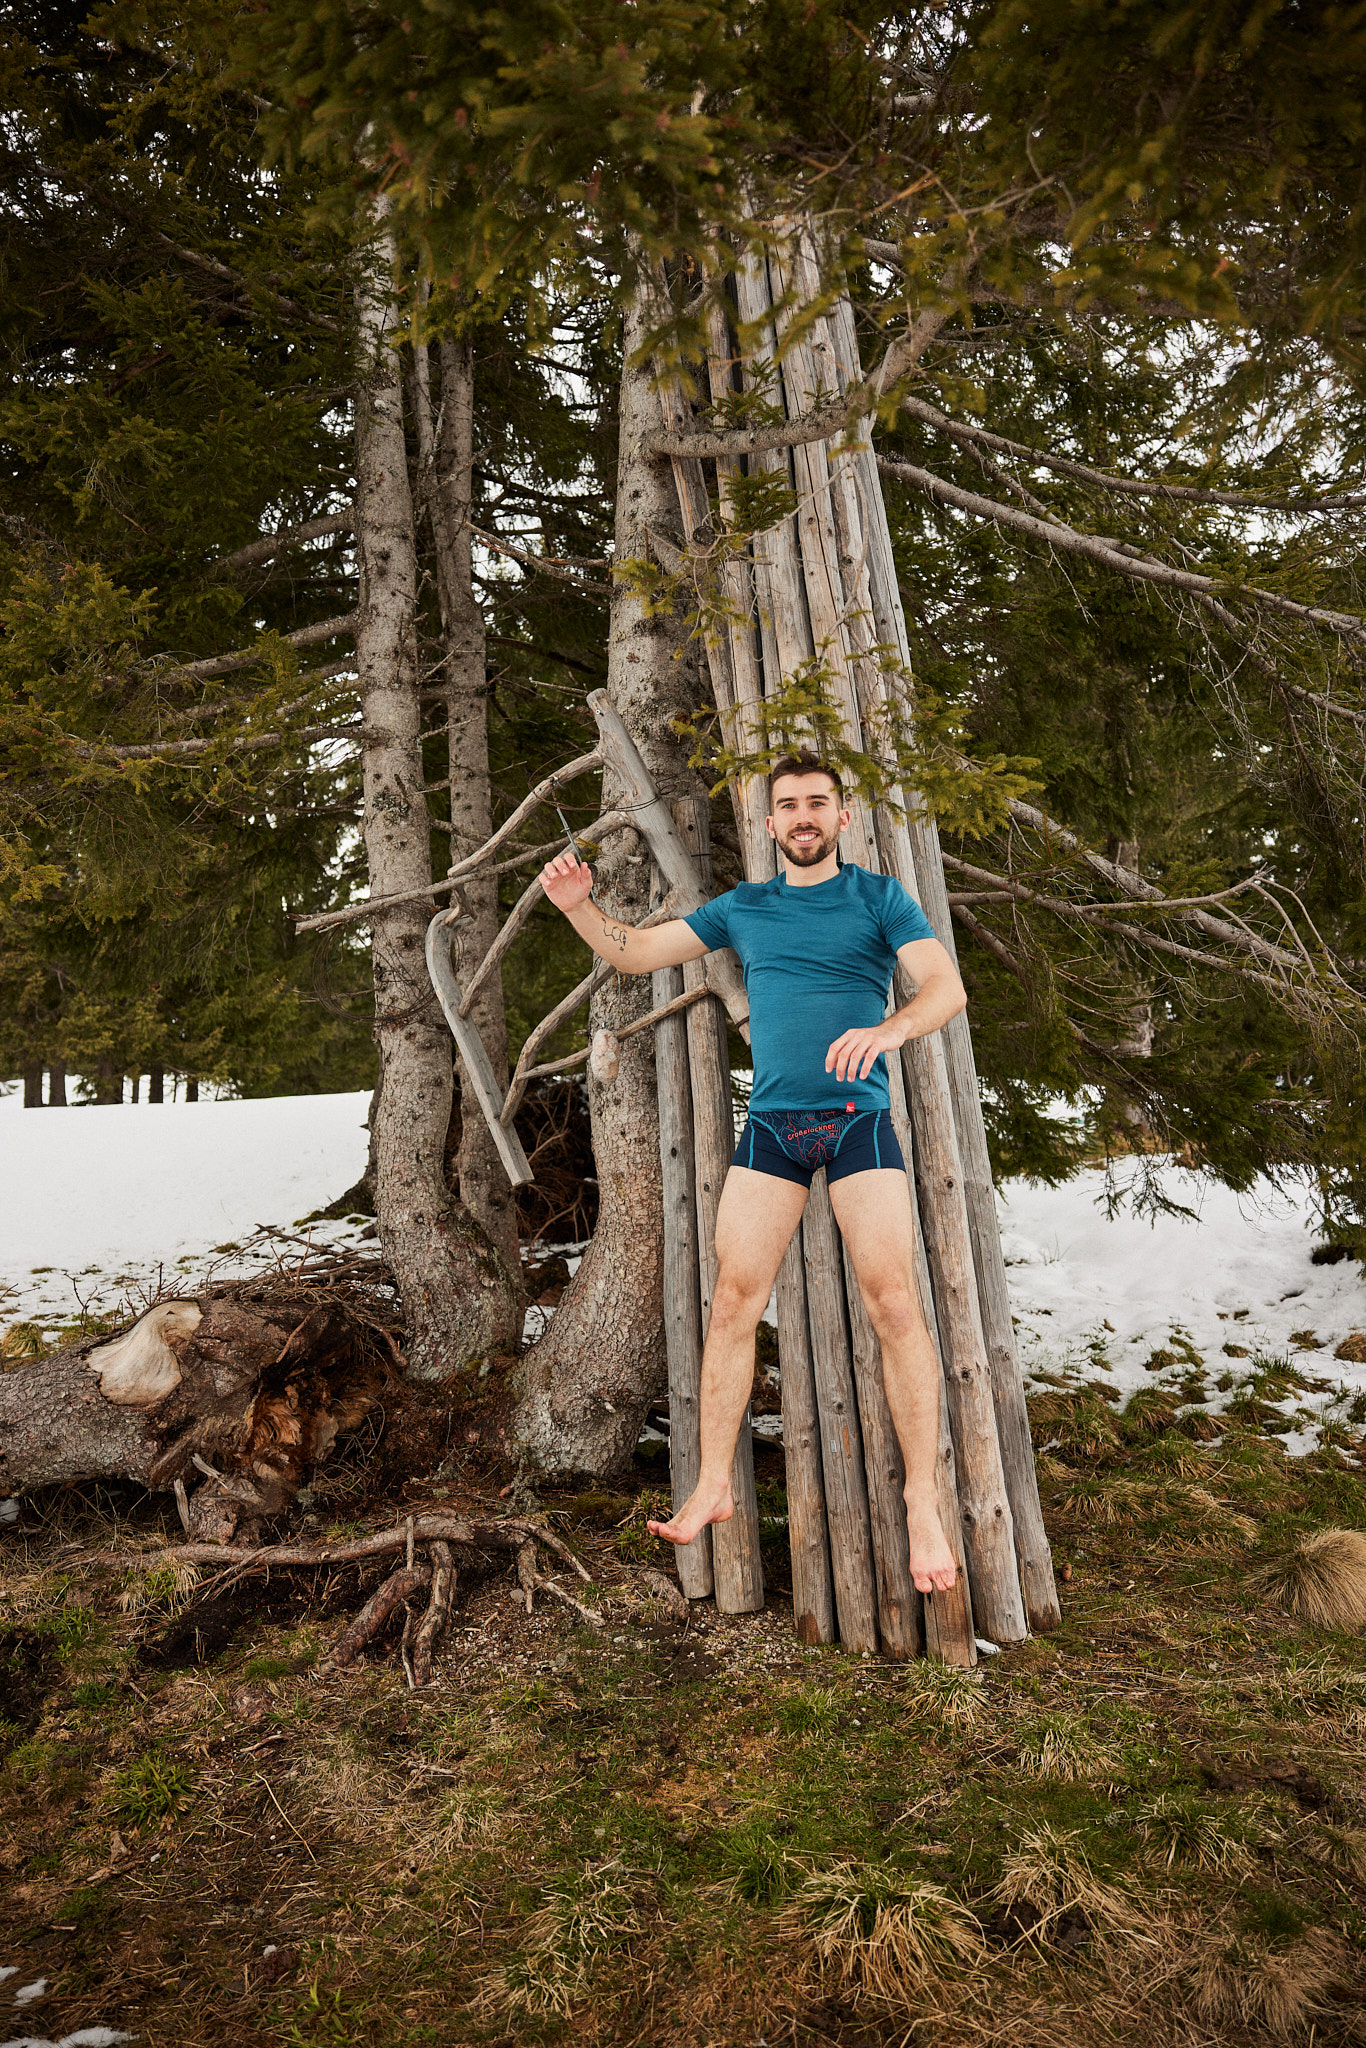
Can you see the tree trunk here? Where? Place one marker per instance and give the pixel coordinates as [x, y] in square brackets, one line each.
[446, 451]
[585, 1388]
[108, 1083]
[33, 1087]
[156, 1084]
[56, 1085]
[191, 1088]
[459, 1298]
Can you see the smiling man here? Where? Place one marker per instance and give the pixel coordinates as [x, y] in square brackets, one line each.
[818, 945]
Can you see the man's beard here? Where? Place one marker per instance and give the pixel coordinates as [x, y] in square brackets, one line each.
[813, 853]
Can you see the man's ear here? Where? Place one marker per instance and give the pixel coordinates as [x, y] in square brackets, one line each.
[769, 823]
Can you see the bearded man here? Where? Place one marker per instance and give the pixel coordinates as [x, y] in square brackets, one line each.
[818, 945]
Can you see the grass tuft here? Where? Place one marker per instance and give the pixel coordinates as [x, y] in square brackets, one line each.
[1183, 1829]
[815, 1710]
[1320, 1687]
[149, 1790]
[1321, 1579]
[882, 1936]
[944, 1695]
[760, 1867]
[1052, 1873]
[1248, 1983]
[560, 1945]
[1061, 1747]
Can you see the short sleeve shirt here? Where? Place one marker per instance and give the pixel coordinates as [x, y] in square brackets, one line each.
[818, 962]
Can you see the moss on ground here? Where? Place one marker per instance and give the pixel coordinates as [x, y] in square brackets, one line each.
[1148, 1826]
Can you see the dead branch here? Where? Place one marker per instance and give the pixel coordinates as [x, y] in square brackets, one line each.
[370, 1621]
[250, 743]
[576, 1059]
[438, 1612]
[1111, 554]
[583, 765]
[611, 821]
[543, 564]
[271, 544]
[1146, 487]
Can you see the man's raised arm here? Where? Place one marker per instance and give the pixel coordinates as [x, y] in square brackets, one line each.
[568, 883]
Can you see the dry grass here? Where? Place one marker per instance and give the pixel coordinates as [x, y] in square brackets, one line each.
[1320, 1687]
[1183, 1829]
[1063, 1748]
[1344, 1849]
[1321, 1579]
[1247, 1983]
[943, 1695]
[880, 1936]
[560, 1945]
[1204, 1519]
[1052, 1873]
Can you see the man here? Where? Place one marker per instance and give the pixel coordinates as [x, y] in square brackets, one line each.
[818, 945]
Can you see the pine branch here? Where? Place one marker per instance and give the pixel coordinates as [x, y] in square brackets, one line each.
[248, 743]
[224, 664]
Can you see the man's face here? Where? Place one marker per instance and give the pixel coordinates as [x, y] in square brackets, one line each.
[806, 819]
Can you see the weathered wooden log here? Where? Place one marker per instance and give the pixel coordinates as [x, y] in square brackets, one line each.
[736, 1565]
[846, 1491]
[511, 1534]
[898, 1603]
[813, 1593]
[888, 624]
[682, 1298]
[253, 1395]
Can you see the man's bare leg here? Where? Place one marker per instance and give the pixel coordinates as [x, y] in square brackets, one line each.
[755, 1219]
[873, 1211]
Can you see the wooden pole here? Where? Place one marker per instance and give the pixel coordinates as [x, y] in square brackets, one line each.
[888, 622]
[898, 1603]
[813, 1595]
[736, 1564]
[846, 1490]
[682, 1298]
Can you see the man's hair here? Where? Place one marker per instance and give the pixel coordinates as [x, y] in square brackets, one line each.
[806, 762]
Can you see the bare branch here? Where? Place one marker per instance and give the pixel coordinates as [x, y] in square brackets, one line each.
[584, 765]
[189, 750]
[1112, 554]
[544, 564]
[1147, 487]
[270, 544]
[225, 664]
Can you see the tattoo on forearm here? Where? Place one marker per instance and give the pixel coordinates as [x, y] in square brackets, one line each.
[615, 935]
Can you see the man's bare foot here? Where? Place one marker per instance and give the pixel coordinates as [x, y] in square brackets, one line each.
[932, 1565]
[706, 1503]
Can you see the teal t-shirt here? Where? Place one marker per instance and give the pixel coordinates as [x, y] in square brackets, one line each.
[818, 962]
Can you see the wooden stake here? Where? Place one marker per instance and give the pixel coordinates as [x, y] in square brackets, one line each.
[736, 1564]
[813, 1595]
[846, 1492]
[898, 1603]
[682, 1299]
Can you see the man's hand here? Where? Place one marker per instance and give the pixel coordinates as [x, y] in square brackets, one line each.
[852, 1055]
[567, 881]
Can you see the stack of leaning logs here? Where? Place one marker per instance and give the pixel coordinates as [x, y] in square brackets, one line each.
[822, 584]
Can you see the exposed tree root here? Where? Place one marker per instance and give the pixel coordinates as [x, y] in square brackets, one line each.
[439, 1532]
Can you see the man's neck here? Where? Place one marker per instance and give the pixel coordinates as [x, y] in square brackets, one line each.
[806, 878]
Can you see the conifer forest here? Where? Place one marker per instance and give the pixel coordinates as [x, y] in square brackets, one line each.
[435, 437]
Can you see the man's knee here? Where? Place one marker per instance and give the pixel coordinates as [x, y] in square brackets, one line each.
[736, 1301]
[892, 1308]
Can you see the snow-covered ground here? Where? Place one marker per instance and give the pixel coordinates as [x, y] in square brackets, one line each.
[94, 1203]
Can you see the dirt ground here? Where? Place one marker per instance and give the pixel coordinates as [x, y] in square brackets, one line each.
[1148, 1827]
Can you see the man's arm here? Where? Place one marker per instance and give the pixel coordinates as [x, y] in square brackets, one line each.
[568, 883]
[939, 995]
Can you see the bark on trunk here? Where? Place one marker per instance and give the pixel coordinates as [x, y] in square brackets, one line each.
[459, 1297]
[33, 1087]
[446, 448]
[585, 1388]
[56, 1086]
[156, 1084]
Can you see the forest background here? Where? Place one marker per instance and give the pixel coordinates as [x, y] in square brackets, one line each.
[318, 325]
